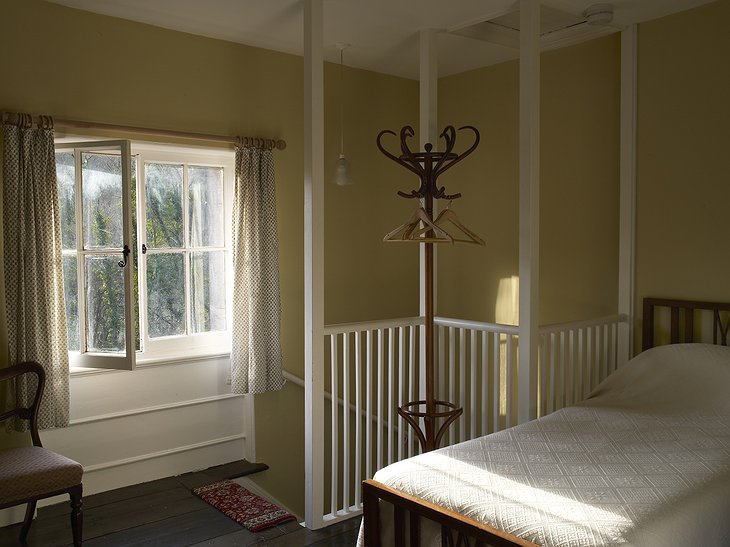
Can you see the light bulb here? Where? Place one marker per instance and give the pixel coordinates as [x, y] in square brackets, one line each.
[342, 172]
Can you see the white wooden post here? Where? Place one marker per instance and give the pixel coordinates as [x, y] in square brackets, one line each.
[627, 213]
[313, 263]
[428, 132]
[529, 208]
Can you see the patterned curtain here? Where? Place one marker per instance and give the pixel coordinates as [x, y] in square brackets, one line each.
[255, 348]
[34, 302]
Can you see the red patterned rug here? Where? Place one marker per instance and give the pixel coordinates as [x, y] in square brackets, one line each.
[243, 506]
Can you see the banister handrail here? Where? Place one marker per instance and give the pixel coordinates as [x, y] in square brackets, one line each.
[340, 328]
[555, 327]
[476, 325]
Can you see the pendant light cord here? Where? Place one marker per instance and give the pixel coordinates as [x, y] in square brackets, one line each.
[342, 105]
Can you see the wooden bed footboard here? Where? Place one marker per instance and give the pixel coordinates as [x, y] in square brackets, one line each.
[456, 529]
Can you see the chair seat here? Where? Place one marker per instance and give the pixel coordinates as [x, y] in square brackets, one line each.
[33, 471]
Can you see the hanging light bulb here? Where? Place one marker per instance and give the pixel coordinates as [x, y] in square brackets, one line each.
[342, 167]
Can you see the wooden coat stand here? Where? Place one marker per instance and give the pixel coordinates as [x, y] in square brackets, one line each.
[423, 228]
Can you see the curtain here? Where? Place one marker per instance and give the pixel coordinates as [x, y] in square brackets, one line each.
[34, 301]
[255, 347]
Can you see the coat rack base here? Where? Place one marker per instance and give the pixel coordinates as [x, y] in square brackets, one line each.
[430, 437]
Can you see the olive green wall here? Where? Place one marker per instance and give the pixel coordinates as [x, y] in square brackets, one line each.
[78, 65]
[578, 187]
[683, 191]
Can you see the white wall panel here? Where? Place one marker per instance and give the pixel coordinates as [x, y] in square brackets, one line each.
[157, 421]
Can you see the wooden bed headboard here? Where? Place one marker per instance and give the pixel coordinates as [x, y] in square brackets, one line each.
[720, 321]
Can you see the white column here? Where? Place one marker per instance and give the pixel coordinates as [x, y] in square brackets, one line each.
[428, 132]
[529, 208]
[627, 203]
[313, 263]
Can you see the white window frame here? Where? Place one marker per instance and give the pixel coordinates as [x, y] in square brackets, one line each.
[84, 358]
[172, 348]
[187, 345]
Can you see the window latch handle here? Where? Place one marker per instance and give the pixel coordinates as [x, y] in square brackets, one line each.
[125, 254]
[144, 249]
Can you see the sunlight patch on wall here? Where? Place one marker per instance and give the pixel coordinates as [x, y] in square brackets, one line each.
[507, 307]
[507, 312]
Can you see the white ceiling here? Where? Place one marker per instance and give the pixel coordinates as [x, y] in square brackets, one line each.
[383, 33]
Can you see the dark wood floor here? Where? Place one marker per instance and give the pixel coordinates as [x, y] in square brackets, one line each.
[166, 513]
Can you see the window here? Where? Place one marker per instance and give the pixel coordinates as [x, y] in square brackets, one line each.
[146, 257]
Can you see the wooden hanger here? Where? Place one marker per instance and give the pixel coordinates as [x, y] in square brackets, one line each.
[447, 215]
[412, 231]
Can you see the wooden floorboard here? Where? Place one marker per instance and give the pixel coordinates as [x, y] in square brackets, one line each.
[184, 529]
[166, 513]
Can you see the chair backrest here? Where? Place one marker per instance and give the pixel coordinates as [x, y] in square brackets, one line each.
[26, 413]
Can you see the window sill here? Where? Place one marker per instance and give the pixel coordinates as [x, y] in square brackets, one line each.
[156, 361]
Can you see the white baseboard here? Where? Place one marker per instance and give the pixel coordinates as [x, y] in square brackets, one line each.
[145, 468]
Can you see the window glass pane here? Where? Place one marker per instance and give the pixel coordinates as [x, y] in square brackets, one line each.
[104, 304]
[65, 173]
[207, 291]
[163, 191]
[205, 210]
[165, 294]
[102, 193]
[71, 295]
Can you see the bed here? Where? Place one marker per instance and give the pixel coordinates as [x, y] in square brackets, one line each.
[644, 461]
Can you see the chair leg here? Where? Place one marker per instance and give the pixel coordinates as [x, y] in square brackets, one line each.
[77, 515]
[29, 514]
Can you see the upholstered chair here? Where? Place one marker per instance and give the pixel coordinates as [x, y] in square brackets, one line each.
[30, 473]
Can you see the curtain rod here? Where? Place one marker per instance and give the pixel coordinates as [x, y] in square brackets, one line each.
[20, 119]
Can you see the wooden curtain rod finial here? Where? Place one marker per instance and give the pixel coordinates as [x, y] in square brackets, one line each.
[257, 142]
[45, 122]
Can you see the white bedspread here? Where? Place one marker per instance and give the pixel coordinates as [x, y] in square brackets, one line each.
[644, 461]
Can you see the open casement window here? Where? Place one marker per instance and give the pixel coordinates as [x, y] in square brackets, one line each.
[169, 297]
[95, 199]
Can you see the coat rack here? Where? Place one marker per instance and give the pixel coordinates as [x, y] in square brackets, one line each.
[423, 228]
